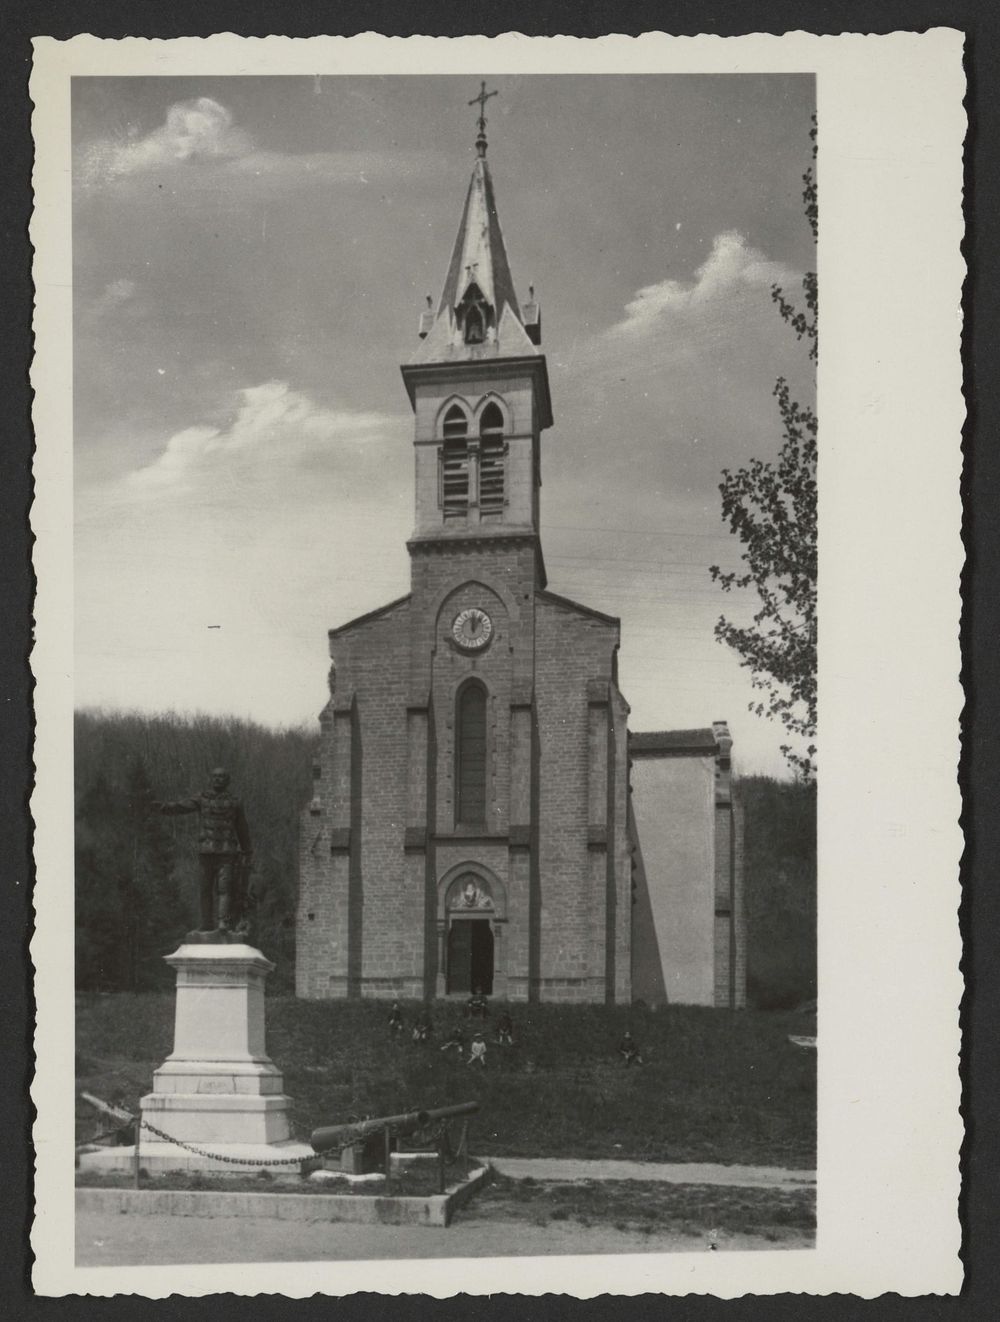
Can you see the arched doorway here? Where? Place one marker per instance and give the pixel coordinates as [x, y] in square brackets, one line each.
[470, 956]
[470, 948]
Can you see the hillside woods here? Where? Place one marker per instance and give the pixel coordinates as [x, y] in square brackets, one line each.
[136, 872]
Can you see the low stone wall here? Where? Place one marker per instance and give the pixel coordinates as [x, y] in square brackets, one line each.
[381, 1209]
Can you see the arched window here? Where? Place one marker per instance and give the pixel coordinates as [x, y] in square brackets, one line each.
[470, 747]
[475, 331]
[473, 315]
[455, 464]
[491, 461]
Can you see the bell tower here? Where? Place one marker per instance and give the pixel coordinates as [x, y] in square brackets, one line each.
[479, 389]
[469, 825]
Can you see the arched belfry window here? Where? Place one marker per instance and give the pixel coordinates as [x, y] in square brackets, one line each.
[455, 464]
[470, 748]
[475, 331]
[491, 462]
[473, 314]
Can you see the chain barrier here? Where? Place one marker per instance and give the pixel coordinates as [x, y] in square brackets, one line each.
[234, 1161]
[436, 1133]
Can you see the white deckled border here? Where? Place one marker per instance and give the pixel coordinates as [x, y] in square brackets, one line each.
[891, 409]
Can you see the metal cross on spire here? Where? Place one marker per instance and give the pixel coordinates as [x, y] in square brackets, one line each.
[481, 100]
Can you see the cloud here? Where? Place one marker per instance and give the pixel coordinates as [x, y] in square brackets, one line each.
[731, 267]
[112, 297]
[269, 526]
[199, 143]
[287, 168]
[196, 130]
[273, 431]
[691, 365]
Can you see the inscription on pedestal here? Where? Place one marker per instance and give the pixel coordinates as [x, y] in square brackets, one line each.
[215, 978]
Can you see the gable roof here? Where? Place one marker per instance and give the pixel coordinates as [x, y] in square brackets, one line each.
[547, 595]
[368, 617]
[673, 743]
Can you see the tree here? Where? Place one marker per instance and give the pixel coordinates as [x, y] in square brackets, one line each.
[98, 900]
[128, 908]
[780, 891]
[137, 872]
[771, 507]
[154, 916]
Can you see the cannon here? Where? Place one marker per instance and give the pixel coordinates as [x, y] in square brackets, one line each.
[328, 1137]
[364, 1146]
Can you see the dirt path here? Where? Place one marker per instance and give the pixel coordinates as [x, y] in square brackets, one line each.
[109, 1239]
[104, 1240]
[557, 1169]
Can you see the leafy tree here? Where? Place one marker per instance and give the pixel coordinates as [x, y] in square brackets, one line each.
[780, 879]
[153, 914]
[771, 507]
[128, 909]
[98, 908]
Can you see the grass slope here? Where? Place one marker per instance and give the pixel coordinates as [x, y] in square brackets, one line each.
[651, 1207]
[716, 1086]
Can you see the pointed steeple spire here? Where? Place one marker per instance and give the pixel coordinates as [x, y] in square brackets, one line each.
[479, 257]
[478, 314]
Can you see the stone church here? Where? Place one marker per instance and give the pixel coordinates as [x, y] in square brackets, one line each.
[482, 815]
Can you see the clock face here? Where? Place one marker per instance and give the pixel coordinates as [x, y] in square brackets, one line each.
[472, 629]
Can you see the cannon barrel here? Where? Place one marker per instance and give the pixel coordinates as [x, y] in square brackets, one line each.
[331, 1136]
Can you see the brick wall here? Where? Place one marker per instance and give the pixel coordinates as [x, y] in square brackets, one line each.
[574, 653]
[379, 841]
[367, 923]
[380, 834]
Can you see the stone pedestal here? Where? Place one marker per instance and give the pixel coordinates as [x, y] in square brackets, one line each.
[218, 1089]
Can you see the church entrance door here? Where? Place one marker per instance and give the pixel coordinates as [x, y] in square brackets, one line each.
[470, 955]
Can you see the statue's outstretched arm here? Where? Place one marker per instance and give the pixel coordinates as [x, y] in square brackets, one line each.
[175, 809]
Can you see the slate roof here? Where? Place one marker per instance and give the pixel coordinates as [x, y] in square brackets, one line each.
[479, 256]
[368, 616]
[674, 741]
[480, 245]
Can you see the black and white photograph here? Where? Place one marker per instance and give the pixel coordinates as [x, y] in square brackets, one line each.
[453, 547]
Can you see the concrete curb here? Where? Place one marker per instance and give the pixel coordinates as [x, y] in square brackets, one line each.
[386, 1210]
[566, 1170]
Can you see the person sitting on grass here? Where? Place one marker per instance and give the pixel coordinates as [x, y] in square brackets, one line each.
[476, 1006]
[629, 1050]
[505, 1030]
[422, 1029]
[455, 1043]
[477, 1052]
[395, 1018]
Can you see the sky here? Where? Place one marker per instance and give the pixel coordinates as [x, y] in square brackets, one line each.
[250, 258]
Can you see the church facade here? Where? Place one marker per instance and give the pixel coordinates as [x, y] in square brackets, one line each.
[478, 800]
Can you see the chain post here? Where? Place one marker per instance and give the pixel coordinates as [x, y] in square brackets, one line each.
[388, 1161]
[135, 1160]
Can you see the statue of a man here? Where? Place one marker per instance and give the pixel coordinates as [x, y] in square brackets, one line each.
[223, 853]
